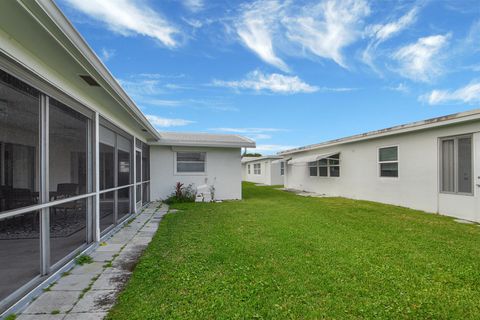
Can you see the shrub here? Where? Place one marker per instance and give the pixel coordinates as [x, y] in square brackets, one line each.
[182, 194]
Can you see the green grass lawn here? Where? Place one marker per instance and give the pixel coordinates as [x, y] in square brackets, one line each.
[276, 255]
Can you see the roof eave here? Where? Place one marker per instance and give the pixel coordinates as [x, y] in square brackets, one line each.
[262, 158]
[69, 31]
[187, 143]
[411, 127]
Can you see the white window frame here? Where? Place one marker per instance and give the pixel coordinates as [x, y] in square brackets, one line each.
[328, 166]
[455, 150]
[282, 168]
[248, 169]
[379, 163]
[257, 169]
[203, 173]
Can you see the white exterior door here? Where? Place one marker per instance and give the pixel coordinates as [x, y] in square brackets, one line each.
[460, 178]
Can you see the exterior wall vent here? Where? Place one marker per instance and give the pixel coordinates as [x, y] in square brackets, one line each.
[88, 79]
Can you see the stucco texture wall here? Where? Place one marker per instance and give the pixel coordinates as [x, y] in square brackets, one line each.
[223, 170]
[417, 185]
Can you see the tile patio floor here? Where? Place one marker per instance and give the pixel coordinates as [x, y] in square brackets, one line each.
[90, 290]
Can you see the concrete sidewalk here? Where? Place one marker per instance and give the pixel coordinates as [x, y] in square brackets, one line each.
[90, 290]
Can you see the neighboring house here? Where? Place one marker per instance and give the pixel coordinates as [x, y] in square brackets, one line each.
[211, 159]
[268, 170]
[77, 156]
[431, 165]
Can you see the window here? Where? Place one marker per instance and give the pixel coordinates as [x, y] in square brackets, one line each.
[26, 114]
[388, 162]
[145, 162]
[282, 168]
[257, 168]
[313, 168]
[68, 151]
[334, 165]
[456, 169]
[248, 168]
[191, 162]
[327, 167]
[116, 172]
[124, 147]
[19, 144]
[138, 161]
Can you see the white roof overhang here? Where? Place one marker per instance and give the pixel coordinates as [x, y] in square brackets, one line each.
[311, 158]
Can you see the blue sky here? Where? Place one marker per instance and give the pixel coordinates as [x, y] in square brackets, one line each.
[287, 73]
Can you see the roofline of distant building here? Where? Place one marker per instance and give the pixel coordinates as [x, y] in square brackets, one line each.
[451, 119]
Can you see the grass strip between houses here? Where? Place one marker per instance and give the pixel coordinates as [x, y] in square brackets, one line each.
[276, 255]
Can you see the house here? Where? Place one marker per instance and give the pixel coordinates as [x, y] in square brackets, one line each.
[77, 156]
[199, 159]
[268, 170]
[431, 165]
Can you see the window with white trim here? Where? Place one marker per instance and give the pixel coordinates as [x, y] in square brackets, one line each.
[456, 166]
[327, 167]
[388, 162]
[257, 168]
[191, 162]
[248, 168]
[282, 168]
[313, 168]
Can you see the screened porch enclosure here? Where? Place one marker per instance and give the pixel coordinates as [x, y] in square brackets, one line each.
[49, 193]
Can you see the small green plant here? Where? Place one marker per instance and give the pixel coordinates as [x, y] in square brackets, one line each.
[92, 281]
[49, 288]
[182, 194]
[56, 311]
[12, 316]
[83, 259]
[66, 273]
[108, 264]
[102, 244]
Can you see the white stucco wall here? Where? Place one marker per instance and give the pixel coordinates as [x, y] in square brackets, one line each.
[275, 177]
[270, 172]
[223, 171]
[417, 185]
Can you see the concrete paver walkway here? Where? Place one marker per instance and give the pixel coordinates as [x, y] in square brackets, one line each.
[90, 290]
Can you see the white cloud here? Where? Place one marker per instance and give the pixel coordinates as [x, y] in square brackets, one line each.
[141, 87]
[107, 54]
[163, 103]
[167, 122]
[216, 104]
[247, 130]
[326, 28]
[129, 17]
[470, 94]
[252, 133]
[382, 32]
[256, 29]
[421, 61]
[401, 87]
[193, 5]
[473, 37]
[274, 82]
